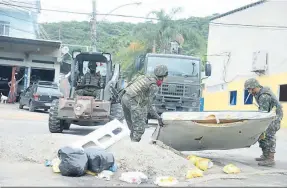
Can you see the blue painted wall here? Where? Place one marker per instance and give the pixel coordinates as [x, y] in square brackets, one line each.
[201, 108]
[22, 23]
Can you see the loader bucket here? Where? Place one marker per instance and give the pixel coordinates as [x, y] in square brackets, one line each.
[217, 130]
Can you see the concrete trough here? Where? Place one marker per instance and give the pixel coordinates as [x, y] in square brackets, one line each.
[213, 130]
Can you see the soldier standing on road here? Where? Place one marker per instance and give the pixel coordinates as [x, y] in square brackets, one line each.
[139, 96]
[90, 78]
[266, 101]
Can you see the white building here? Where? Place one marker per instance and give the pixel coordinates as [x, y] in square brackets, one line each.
[250, 41]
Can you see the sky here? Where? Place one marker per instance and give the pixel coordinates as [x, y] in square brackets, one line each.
[198, 8]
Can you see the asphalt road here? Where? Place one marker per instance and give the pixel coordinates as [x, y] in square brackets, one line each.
[25, 143]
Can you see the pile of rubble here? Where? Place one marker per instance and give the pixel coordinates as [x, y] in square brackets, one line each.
[150, 159]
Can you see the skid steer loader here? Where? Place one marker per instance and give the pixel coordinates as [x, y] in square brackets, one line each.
[86, 110]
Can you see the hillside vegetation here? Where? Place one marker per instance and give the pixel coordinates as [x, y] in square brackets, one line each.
[126, 40]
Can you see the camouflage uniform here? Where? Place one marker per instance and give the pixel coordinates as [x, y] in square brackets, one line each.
[267, 101]
[90, 79]
[138, 98]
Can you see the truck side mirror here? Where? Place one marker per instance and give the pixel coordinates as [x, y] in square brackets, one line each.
[207, 69]
[139, 63]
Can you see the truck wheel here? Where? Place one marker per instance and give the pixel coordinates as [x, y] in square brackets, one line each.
[55, 125]
[20, 105]
[31, 107]
[117, 112]
[66, 125]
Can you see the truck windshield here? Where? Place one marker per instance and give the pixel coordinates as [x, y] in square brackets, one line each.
[176, 66]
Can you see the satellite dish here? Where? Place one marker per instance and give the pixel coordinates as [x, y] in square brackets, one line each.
[65, 49]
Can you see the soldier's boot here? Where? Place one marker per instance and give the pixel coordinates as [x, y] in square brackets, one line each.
[135, 138]
[262, 157]
[269, 161]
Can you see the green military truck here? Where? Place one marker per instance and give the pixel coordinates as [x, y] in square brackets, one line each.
[182, 90]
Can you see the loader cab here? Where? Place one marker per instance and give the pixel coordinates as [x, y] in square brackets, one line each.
[80, 66]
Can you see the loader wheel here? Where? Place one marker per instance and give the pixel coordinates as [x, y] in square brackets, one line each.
[117, 112]
[55, 125]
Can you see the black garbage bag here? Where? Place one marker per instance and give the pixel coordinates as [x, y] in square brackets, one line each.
[99, 159]
[74, 161]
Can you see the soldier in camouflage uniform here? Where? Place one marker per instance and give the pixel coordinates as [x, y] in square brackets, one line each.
[90, 78]
[266, 101]
[138, 96]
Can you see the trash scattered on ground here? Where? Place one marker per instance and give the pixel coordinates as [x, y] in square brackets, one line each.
[91, 173]
[99, 160]
[194, 173]
[114, 168]
[150, 159]
[106, 174]
[201, 163]
[48, 163]
[231, 169]
[133, 177]
[55, 165]
[166, 181]
[73, 161]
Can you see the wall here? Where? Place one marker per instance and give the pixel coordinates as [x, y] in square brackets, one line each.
[22, 24]
[240, 42]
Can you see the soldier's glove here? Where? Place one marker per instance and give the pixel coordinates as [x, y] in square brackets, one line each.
[160, 122]
[262, 136]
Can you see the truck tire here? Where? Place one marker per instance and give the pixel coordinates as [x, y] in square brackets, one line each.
[20, 105]
[31, 107]
[55, 125]
[117, 112]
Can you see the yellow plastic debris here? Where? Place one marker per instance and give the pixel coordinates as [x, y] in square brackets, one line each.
[192, 159]
[194, 173]
[201, 163]
[166, 181]
[55, 165]
[231, 169]
[91, 173]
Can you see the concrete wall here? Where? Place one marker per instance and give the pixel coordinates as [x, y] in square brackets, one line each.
[231, 52]
[22, 23]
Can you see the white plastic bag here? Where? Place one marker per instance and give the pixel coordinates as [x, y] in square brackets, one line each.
[133, 177]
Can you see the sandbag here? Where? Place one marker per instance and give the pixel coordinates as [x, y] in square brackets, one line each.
[99, 160]
[74, 161]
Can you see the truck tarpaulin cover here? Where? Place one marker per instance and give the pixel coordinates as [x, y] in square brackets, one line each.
[98, 159]
[73, 161]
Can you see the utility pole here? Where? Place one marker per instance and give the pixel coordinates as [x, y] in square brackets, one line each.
[93, 25]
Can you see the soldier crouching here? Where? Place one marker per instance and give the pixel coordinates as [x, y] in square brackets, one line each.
[138, 97]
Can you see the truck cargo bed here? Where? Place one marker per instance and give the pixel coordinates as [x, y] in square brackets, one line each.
[217, 130]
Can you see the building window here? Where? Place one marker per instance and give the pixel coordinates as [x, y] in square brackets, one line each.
[283, 93]
[232, 98]
[248, 98]
[4, 28]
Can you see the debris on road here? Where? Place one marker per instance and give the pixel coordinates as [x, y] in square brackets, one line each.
[201, 163]
[55, 165]
[99, 160]
[74, 161]
[231, 169]
[133, 177]
[149, 159]
[166, 181]
[106, 174]
[194, 173]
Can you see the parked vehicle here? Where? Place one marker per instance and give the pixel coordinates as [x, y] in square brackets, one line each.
[40, 96]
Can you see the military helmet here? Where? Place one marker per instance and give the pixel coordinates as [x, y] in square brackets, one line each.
[92, 65]
[161, 71]
[251, 83]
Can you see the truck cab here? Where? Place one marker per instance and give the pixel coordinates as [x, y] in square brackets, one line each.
[181, 90]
